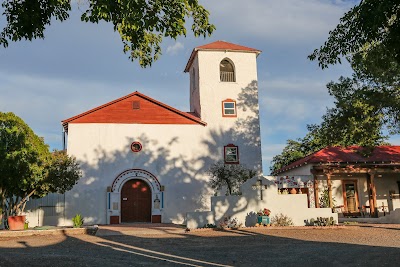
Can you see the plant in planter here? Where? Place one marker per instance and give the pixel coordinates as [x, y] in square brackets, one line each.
[28, 169]
[263, 216]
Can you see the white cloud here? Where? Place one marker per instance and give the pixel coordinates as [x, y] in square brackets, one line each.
[278, 21]
[175, 48]
[294, 100]
[42, 102]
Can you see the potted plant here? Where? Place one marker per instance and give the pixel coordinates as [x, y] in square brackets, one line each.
[16, 222]
[263, 216]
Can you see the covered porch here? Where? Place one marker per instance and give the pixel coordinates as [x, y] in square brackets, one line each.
[357, 190]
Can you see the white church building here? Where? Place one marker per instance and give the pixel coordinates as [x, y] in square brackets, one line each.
[145, 161]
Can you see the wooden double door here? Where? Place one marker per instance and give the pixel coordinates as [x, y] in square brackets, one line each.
[350, 197]
[135, 201]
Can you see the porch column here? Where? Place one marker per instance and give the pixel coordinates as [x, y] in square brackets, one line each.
[316, 198]
[372, 193]
[328, 179]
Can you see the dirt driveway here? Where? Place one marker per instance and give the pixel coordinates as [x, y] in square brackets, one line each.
[366, 245]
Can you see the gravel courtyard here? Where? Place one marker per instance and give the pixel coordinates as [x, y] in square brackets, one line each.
[361, 245]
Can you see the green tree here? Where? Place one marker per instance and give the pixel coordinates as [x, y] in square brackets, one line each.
[297, 149]
[356, 119]
[142, 24]
[27, 168]
[368, 36]
[230, 175]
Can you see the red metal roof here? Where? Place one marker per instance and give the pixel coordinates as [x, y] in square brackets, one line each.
[381, 154]
[120, 111]
[220, 46]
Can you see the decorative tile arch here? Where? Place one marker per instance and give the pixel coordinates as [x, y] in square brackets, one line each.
[136, 174]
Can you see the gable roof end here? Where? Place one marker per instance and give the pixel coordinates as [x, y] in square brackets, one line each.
[187, 115]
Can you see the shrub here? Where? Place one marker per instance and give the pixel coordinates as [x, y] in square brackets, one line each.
[281, 220]
[228, 222]
[209, 225]
[324, 199]
[320, 221]
[77, 221]
[347, 222]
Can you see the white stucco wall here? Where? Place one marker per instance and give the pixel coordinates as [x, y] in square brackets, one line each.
[245, 207]
[178, 155]
[302, 170]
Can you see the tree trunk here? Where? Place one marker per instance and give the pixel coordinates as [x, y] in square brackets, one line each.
[17, 208]
[2, 203]
[229, 188]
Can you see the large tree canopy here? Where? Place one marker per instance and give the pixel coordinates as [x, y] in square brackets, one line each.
[142, 24]
[368, 36]
[356, 119]
[27, 168]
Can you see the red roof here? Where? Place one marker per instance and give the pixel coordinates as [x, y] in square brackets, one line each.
[381, 154]
[220, 46]
[121, 110]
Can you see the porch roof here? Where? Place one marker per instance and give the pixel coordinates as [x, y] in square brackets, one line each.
[334, 156]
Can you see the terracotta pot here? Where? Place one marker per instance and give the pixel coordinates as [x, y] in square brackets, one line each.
[16, 222]
[293, 191]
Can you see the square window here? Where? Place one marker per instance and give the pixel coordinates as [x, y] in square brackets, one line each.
[231, 154]
[229, 108]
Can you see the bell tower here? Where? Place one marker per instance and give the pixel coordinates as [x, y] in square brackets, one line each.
[223, 82]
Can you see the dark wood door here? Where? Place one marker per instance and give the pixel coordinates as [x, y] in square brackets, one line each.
[135, 201]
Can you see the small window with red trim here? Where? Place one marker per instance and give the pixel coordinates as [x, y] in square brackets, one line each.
[136, 147]
[231, 154]
[229, 108]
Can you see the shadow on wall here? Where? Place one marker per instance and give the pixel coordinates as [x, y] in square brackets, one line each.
[183, 175]
[175, 172]
[245, 133]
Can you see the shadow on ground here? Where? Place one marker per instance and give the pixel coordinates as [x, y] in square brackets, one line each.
[172, 246]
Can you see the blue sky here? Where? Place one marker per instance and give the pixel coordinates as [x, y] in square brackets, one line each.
[79, 66]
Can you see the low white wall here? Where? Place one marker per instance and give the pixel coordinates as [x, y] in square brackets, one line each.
[199, 219]
[245, 206]
[393, 217]
[39, 217]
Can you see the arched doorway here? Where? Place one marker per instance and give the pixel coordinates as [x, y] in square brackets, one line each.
[135, 201]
